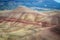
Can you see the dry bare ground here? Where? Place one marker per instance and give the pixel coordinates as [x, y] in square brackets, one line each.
[26, 24]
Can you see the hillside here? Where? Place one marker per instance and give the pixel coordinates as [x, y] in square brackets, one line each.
[24, 23]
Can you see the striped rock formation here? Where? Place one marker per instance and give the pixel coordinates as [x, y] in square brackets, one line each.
[26, 24]
[20, 18]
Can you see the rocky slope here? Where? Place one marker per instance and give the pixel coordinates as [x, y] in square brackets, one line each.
[24, 23]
